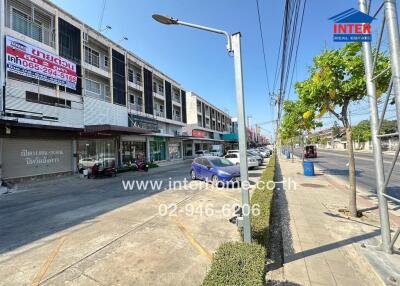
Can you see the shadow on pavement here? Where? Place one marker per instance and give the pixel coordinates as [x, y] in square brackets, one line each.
[341, 172]
[280, 235]
[331, 246]
[281, 283]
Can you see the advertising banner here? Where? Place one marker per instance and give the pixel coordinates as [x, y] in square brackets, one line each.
[27, 60]
[198, 133]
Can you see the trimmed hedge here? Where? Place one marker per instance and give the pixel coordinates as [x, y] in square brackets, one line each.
[263, 196]
[237, 263]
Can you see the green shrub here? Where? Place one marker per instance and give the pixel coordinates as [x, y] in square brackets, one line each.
[263, 196]
[237, 263]
[153, 165]
[125, 169]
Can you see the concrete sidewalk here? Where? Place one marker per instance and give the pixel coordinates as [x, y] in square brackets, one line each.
[321, 245]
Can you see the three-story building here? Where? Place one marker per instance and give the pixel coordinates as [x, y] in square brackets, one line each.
[72, 97]
[206, 125]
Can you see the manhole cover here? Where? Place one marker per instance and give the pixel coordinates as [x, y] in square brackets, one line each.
[312, 185]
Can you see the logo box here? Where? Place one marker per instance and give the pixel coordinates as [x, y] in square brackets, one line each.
[352, 26]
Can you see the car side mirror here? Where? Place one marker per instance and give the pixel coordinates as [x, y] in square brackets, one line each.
[209, 167]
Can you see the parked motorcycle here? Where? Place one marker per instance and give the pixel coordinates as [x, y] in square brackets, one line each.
[140, 165]
[98, 171]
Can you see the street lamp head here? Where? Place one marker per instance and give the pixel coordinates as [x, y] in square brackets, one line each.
[165, 19]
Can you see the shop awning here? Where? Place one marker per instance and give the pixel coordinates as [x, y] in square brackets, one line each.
[115, 129]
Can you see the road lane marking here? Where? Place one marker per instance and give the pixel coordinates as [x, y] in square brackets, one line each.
[43, 270]
[191, 239]
[355, 156]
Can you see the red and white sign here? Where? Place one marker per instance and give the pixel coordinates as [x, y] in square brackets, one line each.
[27, 60]
[198, 133]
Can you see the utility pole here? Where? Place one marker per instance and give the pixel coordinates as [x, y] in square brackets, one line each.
[2, 57]
[237, 51]
[376, 142]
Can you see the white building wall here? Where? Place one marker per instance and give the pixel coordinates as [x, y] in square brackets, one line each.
[67, 117]
[101, 112]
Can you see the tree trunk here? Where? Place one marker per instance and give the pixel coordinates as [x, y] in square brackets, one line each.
[302, 150]
[292, 151]
[352, 173]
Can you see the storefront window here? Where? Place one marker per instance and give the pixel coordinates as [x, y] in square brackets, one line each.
[157, 151]
[197, 147]
[132, 151]
[92, 152]
[174, 151]
[188, 149]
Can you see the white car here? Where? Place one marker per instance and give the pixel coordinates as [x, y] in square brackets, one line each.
[232, 151]
[235, 159]
[201, 153]
[217, 153]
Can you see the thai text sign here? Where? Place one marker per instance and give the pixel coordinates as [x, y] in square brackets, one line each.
[27, 60]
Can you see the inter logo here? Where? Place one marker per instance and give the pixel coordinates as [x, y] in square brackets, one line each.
[352, 26]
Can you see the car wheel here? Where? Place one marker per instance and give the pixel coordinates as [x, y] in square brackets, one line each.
[215, 181]
[193, 175]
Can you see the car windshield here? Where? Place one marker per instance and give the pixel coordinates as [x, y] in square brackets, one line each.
[221, 162]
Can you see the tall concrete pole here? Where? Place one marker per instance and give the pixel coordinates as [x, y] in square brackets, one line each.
[394, 48]
[2, 56]
[376, 142]
[237, 53]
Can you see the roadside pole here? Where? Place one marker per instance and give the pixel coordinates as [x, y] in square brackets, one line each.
[2, 57]
[394, 48]
[237, 54]
[376, 142]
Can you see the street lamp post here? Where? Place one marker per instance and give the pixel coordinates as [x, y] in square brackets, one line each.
[233, 46]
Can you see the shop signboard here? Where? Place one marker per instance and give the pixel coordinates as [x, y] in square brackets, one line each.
[198, 133]
[30, 157]
[30, 61]
[143, 122]
[158, 138]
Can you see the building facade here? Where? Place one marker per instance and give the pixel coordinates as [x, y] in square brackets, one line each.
[72, 97]
[206, 126]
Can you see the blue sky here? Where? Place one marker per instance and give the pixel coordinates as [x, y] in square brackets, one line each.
[198, 60]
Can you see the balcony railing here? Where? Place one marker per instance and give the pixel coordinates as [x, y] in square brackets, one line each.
[31, 29]
[159, 113]
[135, 107]
[136, 81]
[177, 98]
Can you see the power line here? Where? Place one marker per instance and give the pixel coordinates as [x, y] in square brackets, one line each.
[262, 44]
[297, 47]
[102, 15]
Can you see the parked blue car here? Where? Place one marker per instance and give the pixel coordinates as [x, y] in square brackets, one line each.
[215, 169]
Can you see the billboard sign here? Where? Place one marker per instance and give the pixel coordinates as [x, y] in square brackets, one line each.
[198, 133]
[30, 61]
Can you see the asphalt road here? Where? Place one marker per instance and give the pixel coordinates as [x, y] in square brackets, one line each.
[334, 162]
[38, 209]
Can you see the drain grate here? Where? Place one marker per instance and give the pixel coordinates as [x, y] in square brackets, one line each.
[312, 185]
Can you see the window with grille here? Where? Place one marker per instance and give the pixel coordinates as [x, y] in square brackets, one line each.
[92, 57]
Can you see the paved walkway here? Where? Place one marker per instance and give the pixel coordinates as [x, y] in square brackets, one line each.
[322, 246]
[98, 234]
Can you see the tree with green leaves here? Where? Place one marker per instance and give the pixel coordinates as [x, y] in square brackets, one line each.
[362, 131]
[337, 78]
[297, 118]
